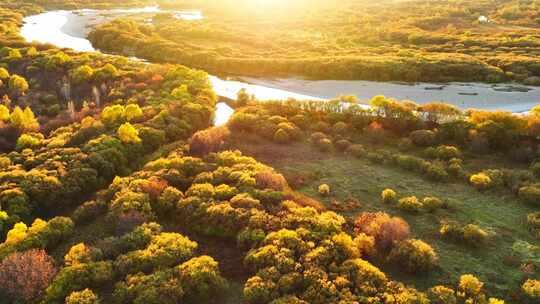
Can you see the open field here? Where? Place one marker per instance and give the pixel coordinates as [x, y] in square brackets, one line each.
[359, 180]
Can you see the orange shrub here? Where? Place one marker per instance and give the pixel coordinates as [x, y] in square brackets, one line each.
[385, 229]
[154, 187]
[270, 180]
[208, 141]
[25, 275]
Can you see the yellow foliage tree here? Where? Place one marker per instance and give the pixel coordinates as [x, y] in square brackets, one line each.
[17, 233]
[4, 74]
[4, 113]
[128, 134]
[112, 115]
[23, 120]
[469, 286]
[17, 118]
[132, 111]
[84, 73]
[181, 93]
[78, 254]
[18, 85]
[87, 122]
[30, 121]
[32, 52]
[37, 226]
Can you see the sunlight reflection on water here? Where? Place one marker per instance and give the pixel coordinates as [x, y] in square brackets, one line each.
[223, 114]
[46, 28]
[230, 88]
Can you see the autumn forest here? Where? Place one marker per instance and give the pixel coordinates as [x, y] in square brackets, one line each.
[145, 157]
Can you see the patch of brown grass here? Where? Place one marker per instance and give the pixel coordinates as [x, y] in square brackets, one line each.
[304, 200]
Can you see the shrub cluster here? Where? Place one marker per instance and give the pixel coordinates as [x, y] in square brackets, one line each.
[468, 290]
[487, 179]
[530, 194]
[470, 234]
[386, 230]
[85, 296]
[40, 234]
[261, 121]
[531, 288]
[81, 254]
[388, 196]
[410, 204]
[78, 277]
[197, 280]
[209, 140]
[414, 255]
[423, 138]
[533, 223]
[324, 190]
[443, 152]
[432, 170]
[164, 250]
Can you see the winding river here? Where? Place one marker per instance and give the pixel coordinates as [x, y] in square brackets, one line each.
[68, 29]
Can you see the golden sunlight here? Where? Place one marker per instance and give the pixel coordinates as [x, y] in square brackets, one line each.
[269, 151]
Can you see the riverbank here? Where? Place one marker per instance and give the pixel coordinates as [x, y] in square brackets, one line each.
[462, 95]
[69, 29]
